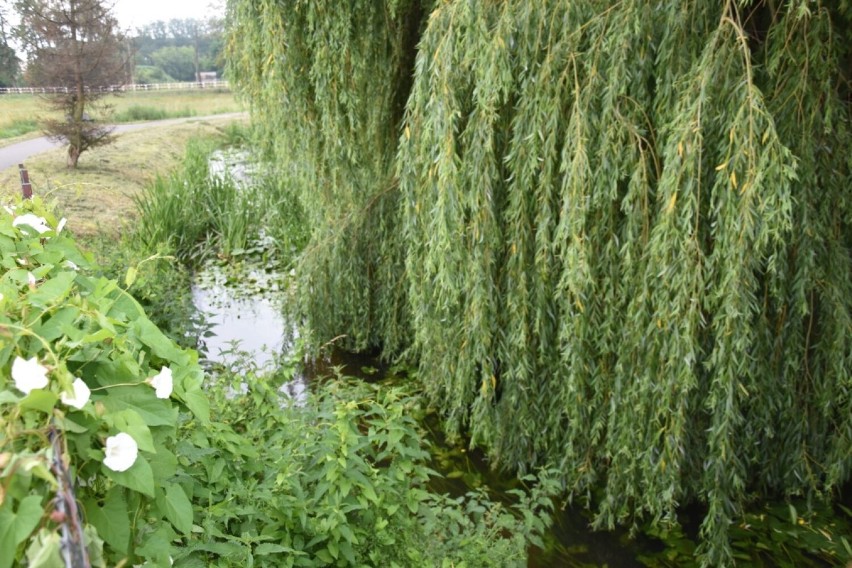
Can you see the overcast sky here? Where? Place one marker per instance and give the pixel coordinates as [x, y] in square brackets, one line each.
[132, 13]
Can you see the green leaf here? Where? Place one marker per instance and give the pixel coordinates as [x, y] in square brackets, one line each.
[177, 508]
[39, 399]
[270, 548]
[53, 328]
[7, 536]
[139, 477]
[131, 422]
[54, 290]
[141, 399]
[196, 400]
[112, 521]
[160, 345]
[44, 551]
[130, 277]
[28, 517]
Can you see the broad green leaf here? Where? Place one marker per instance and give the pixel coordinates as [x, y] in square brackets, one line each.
[8, 397]
[55, 326]
[43, 552]
[270, 548]
[176, 507]
[27, 518]
[196, 400]
[53, 290]
[160, 345]
[7, 535]
[39, 399]
[131, 422]
[141, 399]
[139, 477]
[112, 521]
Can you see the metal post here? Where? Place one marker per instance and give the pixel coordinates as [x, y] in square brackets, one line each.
[26, 186]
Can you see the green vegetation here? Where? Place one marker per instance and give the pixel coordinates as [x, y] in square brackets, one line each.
[172, 49]
[20, 114]
[139, 113]
[148, 74]
[99, 195]
[18, 127]
[613, 236]
[342, 481]
[192, 213]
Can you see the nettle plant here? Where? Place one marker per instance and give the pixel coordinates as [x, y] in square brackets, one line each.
[90, 396]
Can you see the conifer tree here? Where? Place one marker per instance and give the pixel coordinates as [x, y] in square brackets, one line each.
[615, 236]
[74, 45]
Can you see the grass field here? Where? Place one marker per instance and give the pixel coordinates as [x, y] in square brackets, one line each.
[19, 114]
[99, 195]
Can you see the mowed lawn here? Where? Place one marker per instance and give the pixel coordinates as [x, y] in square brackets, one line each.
[20, 114]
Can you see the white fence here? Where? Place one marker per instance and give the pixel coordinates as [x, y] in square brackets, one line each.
[118, 88]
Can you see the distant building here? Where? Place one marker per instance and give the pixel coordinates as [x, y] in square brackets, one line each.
[207, 77]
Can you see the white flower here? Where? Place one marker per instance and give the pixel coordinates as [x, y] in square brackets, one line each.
[121, 452]
[28, 375]
[61, 225]
[31, 220]
[162, 383]
[31, 279]
[71, 265]
[81, 395]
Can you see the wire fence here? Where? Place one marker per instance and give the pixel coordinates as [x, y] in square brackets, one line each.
[195, 85]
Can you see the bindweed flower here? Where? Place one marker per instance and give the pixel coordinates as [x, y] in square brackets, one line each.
[81, 395]
[28, 374]
[31, 220]
[121, 452]
[162, 383]
[71, 265]
[31, 280]
[61, 225]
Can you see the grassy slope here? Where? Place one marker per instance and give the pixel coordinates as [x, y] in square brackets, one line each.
[98, 196]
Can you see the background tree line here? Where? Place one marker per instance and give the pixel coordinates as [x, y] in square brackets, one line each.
[177, 49]
[163, 51]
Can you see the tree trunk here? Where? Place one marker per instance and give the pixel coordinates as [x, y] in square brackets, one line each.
[73, 156]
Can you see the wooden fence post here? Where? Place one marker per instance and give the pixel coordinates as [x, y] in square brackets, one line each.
[26, 186]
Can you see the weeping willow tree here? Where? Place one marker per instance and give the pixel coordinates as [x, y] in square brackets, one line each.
[616, 236]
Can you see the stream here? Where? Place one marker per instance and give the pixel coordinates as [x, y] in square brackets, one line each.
[243, 307]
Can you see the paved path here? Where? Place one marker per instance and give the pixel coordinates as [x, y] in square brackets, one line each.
[15, 154]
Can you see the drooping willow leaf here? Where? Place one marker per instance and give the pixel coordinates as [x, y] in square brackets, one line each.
[616, 236]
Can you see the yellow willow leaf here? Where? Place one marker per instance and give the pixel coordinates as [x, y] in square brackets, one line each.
[660, 324]
[680, 149]
[732, 134]
[493, 382]
[514, 248]
[765, 136]
[579, 305]
[734, 179]
[407, 133]
[744, 188]
[484, 389]
[722, 166]
[672, 202]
